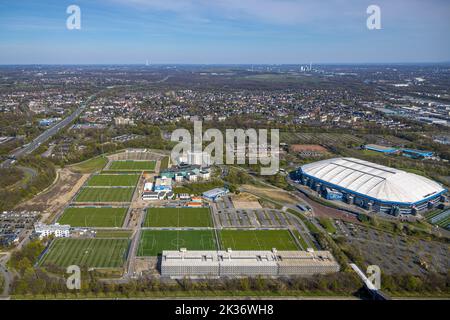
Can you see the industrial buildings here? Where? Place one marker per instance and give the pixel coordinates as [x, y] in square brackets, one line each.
[230, 263]
[371, 186]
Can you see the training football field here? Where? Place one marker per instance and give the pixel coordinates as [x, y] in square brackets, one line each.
[93, 217]
[257, 240]
[90, 253]
[178, 217]
[153, 242]
[113, 180]
[132, 165]
[105, 195]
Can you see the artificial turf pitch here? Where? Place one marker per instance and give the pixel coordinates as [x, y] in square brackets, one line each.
[90, 253]
[93, 217]
[257, 240]
[153, 242]
[113, 180]
[118, 194]
[178, 217]
[132, 165]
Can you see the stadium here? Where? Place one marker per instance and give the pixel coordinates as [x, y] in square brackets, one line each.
[371, 186]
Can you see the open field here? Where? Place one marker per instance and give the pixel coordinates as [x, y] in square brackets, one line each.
[57, 196]
[257, 240]
[89, 166]
[93, 217]
[327, 139]
[178, 217]
[164, 163]
[113, 180]
[113, 234]
[277, 195]
[90, 253]
[132, 165]
[105, 195]
[153, 242]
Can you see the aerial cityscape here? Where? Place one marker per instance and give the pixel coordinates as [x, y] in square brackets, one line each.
[245, 163]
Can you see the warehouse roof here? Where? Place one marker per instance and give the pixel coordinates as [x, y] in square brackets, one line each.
[373, 180]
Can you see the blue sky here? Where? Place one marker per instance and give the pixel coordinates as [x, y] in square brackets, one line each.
[223, 31]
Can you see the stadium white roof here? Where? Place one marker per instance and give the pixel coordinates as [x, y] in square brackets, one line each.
[373, 180]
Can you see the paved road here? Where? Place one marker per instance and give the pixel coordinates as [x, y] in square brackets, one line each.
[43, 137]
[6, 276]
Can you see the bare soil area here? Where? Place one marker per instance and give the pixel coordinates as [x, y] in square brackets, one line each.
[54, 199]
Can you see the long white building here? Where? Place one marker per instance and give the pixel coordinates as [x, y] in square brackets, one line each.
[57, 230]
[183, 263]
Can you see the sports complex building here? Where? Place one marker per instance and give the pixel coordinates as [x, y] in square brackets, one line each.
[371, 186]
[230, 263]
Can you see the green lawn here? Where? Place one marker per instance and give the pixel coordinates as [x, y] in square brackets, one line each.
[132, 165]
[105, 195]
[91, 165]
[153, 242]
[178, 217]
[164, 163]
[90, 253]
[113, 233]
[93, 217]
[113, 180]
[257, 240]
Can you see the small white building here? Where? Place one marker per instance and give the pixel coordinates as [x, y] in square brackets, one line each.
[204, 174]
[192, 177]
[184, 196]
[152, 195]
[148, 186]
[57, 230]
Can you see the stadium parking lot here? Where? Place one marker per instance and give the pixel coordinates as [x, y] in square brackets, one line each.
[395, 254]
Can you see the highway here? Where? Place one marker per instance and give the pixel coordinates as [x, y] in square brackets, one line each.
[43, 137]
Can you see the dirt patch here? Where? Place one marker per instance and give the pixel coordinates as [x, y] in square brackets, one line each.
[147, 265]
[53, 200]
[273, 194]
[247, 204]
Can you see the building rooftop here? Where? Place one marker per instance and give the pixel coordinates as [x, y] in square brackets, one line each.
[373, 180]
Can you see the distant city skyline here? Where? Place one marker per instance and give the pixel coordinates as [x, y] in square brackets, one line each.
[224, 32]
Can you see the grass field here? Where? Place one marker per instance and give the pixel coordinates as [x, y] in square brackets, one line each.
[91, 253]
[131, 165]
[164, 163]
[257, 240]
[178, 217]
[105, 195]
[113, 234]
[91, 165]
[93, 217]
[153, 242]
[113, 180]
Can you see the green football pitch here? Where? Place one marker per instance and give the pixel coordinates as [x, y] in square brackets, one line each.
[90, 253]
[89, 194]
[131, 165]
[93, 217]
[178, 217]
[153, 242]
[113, 180]
[257, 240]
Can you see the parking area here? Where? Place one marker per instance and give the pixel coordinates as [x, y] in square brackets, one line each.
[228, 216]
[395, 254]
